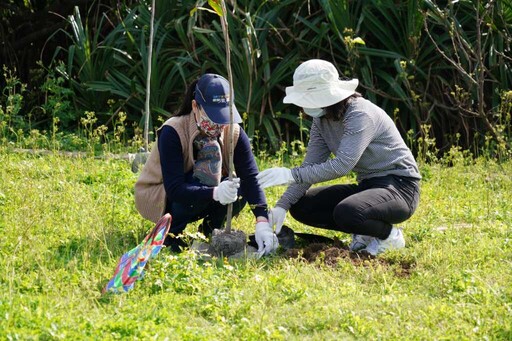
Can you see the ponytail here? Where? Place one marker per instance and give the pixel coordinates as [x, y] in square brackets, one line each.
[186, 105]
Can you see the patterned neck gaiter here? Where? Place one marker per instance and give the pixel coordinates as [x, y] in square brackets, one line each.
[208, 164]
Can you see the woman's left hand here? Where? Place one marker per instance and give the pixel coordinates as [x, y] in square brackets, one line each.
[265, 238]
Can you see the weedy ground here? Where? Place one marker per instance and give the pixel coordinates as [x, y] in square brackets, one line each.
[64, 223]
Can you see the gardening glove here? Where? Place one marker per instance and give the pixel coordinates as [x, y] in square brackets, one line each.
[265, 238]
[227, 191]
[276, 217]
[274, 177]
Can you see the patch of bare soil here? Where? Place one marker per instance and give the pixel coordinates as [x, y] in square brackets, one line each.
[332, 254]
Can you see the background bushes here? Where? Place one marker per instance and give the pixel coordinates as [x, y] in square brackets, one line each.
[440, 69]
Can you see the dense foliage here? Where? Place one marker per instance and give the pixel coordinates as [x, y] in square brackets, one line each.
[440, 69]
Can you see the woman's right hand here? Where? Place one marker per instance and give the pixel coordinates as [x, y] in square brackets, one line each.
[276, 217]
[274, 177]
[227, 191]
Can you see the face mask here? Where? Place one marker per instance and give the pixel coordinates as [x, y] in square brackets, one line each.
[208, 127]
[314, 112]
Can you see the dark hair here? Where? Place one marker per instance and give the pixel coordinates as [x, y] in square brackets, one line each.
[186, 105]
[336, 111]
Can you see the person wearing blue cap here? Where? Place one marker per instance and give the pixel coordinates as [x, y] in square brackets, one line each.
[362, 139]
[186, 173]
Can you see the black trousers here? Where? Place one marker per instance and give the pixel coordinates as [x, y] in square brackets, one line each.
[370, 207]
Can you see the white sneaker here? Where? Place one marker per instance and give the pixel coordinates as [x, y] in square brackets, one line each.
[359, 242]
[394, 241]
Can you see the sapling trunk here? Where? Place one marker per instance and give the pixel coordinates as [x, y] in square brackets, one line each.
[227, 242]
[225, 32]
[148, 78]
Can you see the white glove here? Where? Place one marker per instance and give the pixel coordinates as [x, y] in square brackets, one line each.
[266, 238]
[227, 191]
[276, 217]
[274, 177]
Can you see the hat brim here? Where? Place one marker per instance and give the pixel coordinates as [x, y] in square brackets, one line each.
[220, 114]
[320, 98]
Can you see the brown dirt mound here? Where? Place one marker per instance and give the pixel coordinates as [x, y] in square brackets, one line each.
[330, 255]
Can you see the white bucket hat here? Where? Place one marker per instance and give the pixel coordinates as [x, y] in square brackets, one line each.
[316, 84]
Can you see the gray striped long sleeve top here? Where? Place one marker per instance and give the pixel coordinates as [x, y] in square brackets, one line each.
[365, 141]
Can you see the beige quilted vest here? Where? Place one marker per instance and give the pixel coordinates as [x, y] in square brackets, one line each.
[150, 195]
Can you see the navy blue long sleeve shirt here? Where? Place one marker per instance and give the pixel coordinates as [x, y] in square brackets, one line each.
[177, 188]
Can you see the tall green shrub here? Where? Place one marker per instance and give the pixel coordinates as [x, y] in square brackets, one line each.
[441, 66]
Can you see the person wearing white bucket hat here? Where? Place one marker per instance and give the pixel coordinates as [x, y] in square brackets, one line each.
[363, 140]
[316, 85]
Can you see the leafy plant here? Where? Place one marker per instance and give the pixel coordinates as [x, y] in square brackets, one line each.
[11, 102]
[473, 44]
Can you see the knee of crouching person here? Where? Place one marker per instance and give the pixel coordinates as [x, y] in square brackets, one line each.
[347, 218]
[296, 213]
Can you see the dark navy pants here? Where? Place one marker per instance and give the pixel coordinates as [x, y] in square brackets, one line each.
[370, 207]
[212, 212]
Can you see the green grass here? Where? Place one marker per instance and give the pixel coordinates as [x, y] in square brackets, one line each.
[64, 223]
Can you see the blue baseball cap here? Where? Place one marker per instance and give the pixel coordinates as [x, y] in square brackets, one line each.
[212, 94]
